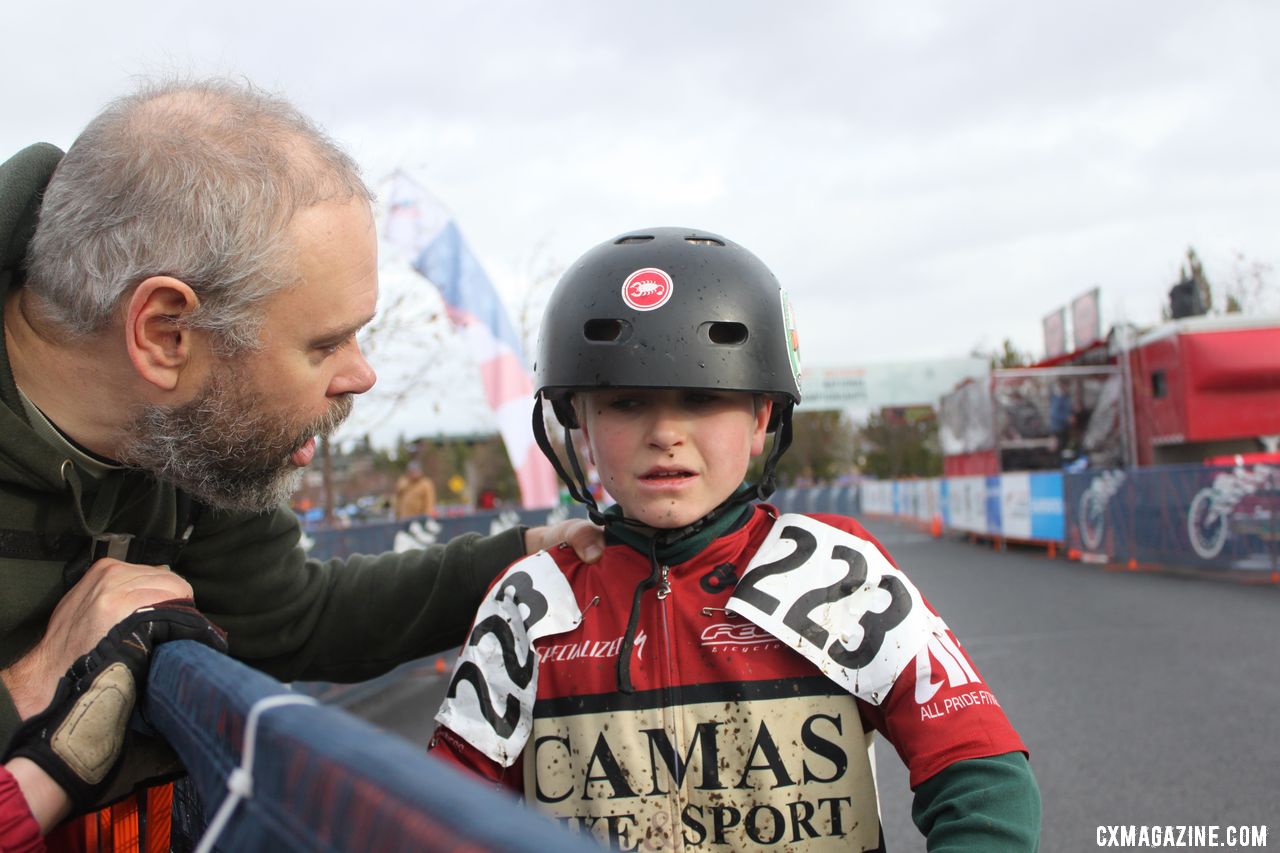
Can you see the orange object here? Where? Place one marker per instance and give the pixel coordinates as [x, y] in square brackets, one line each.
[440, 667]
[123, 824]
[1073, 553]
[935, 527]
[1133, 564]
[159, 818]
[139, 824]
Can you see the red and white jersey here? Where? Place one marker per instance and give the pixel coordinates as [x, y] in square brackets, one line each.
[761, 669]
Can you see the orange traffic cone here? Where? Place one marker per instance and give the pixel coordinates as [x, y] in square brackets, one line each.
[935, 526]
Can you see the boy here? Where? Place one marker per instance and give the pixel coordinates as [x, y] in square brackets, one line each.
[715, 680]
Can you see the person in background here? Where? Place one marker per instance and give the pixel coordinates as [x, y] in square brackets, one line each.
[415, 493]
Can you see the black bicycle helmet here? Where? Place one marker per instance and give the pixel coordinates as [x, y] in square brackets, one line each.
[667, 308]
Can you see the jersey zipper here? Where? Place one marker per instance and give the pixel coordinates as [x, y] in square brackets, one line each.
[671, 707]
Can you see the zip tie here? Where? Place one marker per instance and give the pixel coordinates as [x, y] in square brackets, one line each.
[240, 782]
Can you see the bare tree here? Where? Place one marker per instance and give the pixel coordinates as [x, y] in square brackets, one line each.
[1252, 287]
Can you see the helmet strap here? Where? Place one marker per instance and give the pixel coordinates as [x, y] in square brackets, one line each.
[577, 484]
[781, 441]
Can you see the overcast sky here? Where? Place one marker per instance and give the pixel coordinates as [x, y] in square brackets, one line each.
[923, 177]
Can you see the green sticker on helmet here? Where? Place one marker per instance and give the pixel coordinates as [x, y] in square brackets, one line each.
[793, 336]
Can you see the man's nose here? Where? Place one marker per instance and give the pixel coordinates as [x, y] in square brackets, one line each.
[355, 377]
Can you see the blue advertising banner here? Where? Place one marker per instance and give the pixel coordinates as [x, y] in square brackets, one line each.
[1046, 507]
[994, 516]
[944, 501]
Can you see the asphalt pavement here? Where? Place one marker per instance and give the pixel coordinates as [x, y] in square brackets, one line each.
[1145, 698]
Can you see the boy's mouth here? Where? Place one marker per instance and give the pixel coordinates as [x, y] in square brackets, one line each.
[666, 475]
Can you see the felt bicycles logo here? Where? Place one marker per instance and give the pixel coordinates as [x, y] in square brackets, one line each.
[647, 289]
[736, 634]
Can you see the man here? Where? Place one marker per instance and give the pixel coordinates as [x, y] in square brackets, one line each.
[415, 493]
[178, 329]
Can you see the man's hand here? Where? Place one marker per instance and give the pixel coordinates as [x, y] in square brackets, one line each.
[586, 539]
[79, 738]
[107, 593]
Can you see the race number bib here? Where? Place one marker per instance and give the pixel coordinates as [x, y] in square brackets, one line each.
[490, 699]
[835, 599]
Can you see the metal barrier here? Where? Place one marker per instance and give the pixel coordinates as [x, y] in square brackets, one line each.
[326, 543]
[1194, 515]
[831, 500]
[1218, 518]
[377, 538]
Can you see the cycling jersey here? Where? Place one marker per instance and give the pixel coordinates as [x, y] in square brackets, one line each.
[761, 668]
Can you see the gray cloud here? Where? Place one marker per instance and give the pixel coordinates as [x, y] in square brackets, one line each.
[922, 177]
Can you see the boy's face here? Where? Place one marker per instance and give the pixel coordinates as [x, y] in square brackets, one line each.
[669, 457]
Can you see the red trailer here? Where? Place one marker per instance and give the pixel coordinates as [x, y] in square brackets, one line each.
[1192, 389]
[1205, 386]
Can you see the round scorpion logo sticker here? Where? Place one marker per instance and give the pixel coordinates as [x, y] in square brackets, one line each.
[647, 289]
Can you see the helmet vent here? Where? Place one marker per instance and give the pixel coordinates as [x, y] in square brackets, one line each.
[631, 238]
[606, 331]
[704, 241]
[724, 334]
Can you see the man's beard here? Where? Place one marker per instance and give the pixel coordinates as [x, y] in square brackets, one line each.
[225, 448]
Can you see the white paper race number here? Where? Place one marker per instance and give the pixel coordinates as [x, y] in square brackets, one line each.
[490, 698]
[835, 599]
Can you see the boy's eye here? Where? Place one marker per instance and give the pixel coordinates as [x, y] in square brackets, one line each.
[624, 404]
[701, 398]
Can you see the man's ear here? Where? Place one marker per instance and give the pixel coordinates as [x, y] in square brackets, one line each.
[156, 335]
[764, 409]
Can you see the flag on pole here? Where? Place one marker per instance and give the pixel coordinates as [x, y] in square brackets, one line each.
[417, 224]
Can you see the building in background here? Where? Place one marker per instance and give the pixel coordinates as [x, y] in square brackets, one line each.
[862, 389]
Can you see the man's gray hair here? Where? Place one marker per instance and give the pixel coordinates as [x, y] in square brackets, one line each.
[194, 180]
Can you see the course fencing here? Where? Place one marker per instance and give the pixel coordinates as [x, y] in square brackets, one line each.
[1220, 518]
[1216, 518]
[376, 538]
[379, 537]
[275, 772]
[833, 500]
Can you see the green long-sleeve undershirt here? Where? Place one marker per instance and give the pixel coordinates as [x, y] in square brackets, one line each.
[982, 805]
